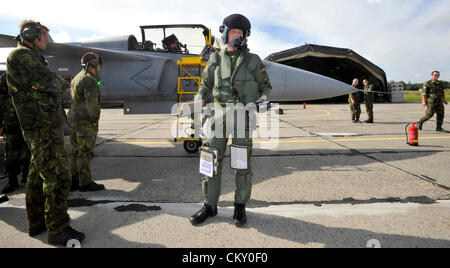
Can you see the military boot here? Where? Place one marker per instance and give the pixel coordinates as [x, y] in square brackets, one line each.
[92, 187]
[240, 216]
[12, 185]
[440, 129]
[32, 232]
[420, 125]
[65, 236]
[205, 212]
[3, 199]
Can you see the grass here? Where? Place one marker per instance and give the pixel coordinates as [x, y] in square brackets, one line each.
[415, 96]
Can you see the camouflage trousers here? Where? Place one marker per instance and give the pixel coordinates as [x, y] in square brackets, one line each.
[369, 108]
[48, 180]
[435, 107]
[211, 187]
[356, 110]
[82, 138]
[17, 153]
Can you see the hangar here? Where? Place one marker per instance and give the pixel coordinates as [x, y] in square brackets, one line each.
[342, 64]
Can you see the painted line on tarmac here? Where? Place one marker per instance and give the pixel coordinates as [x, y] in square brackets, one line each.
[280, 141]
[139, 143]
[284, 210]
[325, 113]
[347, 140]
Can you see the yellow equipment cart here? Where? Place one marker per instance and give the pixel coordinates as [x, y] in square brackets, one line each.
[185, 124]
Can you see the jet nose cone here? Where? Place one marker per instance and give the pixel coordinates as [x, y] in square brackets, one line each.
[292, 84]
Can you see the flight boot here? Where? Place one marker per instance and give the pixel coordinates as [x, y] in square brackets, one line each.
[65, 236]
[92, 187]
[240, 216]
[205, 212]
[12, 185]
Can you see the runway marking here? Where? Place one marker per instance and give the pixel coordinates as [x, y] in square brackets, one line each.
[284, 141]
[346, 140]
[140, 143]
[326, 113]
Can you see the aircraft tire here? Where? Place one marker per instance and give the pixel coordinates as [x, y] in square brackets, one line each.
[192, 146]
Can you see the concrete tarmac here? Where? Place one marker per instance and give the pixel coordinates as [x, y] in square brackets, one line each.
[324, 182]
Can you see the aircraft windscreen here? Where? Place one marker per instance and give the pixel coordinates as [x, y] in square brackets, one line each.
[193, 38]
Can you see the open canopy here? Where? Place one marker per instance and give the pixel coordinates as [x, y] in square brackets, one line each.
[177, 38]
[342, 64]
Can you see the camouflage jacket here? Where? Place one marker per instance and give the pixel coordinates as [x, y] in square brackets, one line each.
[7, 112]
[368, 89]
[35, 90]
[3, 96]
[85, 94]
[433, 90]
[355, 97]
[251, 81]
[368, 95]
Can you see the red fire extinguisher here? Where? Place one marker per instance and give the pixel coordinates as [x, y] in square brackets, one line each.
[412, 134]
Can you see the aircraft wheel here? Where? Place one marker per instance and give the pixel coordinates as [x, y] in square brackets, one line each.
[192, 146]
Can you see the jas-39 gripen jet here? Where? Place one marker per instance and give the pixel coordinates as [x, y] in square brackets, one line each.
[165, 68]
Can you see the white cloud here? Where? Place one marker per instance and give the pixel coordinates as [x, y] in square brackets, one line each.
[4, 54]
[61, 37]
[405, 38]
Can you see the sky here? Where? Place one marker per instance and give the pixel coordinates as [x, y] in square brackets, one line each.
[406, 38]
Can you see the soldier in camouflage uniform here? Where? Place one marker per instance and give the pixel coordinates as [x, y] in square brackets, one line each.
[36, 94]
[355, 104]
[433, 96]
[368, 100]
[253, 86]
[84, 115]
[17, 154]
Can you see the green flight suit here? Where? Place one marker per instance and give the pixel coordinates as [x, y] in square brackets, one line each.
[36, 93]
[355, 108]
[252, 82]
[17, 153]
[368, 100]
[434, 93]
[84, 115]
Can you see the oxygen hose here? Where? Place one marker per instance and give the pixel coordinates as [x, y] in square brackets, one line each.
[235, 91]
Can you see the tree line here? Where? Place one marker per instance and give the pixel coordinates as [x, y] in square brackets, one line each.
[417, 86]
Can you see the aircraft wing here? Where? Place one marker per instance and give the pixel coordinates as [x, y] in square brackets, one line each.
[74, 51]
[7, 41]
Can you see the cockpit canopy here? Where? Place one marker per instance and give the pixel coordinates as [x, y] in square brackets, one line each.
[176, 39]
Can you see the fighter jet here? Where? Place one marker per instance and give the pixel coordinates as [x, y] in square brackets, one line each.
[165, 68]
